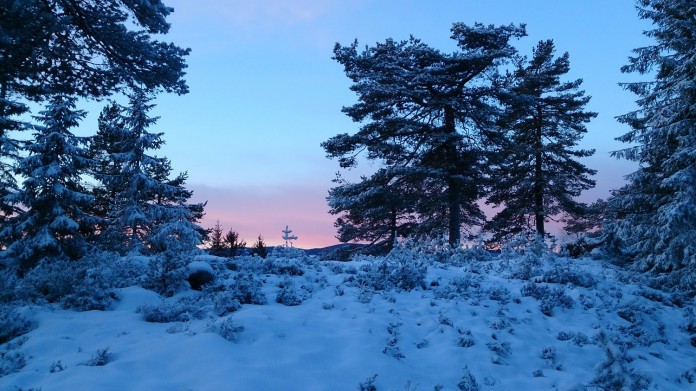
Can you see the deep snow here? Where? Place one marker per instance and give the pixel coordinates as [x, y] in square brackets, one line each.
[521, 322]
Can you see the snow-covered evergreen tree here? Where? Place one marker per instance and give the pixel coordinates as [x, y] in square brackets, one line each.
[103, 145]
[54, 219]
[149, 212]
[656, 210]
[536, 174]
[374, 210]
[9, 152]
[422, 113]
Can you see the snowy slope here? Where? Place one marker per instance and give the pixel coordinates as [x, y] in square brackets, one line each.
[511, 323]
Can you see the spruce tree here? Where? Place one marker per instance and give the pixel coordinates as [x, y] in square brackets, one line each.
[216, 239]
[259, 248]
[149, 212]
[535, 173]
[422, 114]
[54, 218]
[656, 211]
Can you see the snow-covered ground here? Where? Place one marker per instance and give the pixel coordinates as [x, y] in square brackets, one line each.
[409, 321]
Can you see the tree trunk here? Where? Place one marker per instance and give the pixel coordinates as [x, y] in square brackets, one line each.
[538, 177]
[454, 186]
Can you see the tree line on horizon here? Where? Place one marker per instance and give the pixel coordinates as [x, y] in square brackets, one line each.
[447, 129]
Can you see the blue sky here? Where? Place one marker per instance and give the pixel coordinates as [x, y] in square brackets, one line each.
[265, 93]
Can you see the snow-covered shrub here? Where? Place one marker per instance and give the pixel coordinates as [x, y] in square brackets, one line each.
[613, 373]
[283, 266]
[9, 285]
[288, 294]
[368, 384]
[247, 289]
[167, 273]
[183, 310]
[501, 349]
[225, 302]
[500, 294]
[101, 358]
[562, 273]
[465, 339]
[81, 285]
[57, 366]
[458, 287]
[11, 358]
[288, 253]
[467, 255]
[399, 270]
[548, 297]
[230, 329]
[468, 381]
[13, 323]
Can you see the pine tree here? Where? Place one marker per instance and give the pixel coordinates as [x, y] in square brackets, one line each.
[216, 240]
[234, 243]
[423, 112]
[656, 210]
[149, 212]
[374, 210]
[55, 219]
[535, 174]
[86, 48]
[259, 248]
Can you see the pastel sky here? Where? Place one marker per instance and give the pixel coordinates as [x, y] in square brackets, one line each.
[265, 93]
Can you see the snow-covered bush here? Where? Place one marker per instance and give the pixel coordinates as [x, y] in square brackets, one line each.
[11, 358]
[101, 358]
[230, 329]
[247, 289]
[289, 295]
[562, 273]
[82, 285]
[166, 311]
[13, 323]
[167, 273]
[225, 301]
[613, 373]
[401, 269]
[283, 266]
[468, 381]
[548, 297]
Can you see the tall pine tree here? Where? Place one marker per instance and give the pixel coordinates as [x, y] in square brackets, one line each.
[422, 114]
[54, 219]
[535, 173]
[656, 210]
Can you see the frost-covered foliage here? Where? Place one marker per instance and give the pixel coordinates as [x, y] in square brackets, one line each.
[402, 269]
[148, 212]
[230, 329]
[13, 323]
[182, 309]
[12, 359]
[655, 213]
[167, 273]
[614, 373]
[54, 218]
[82, 285]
